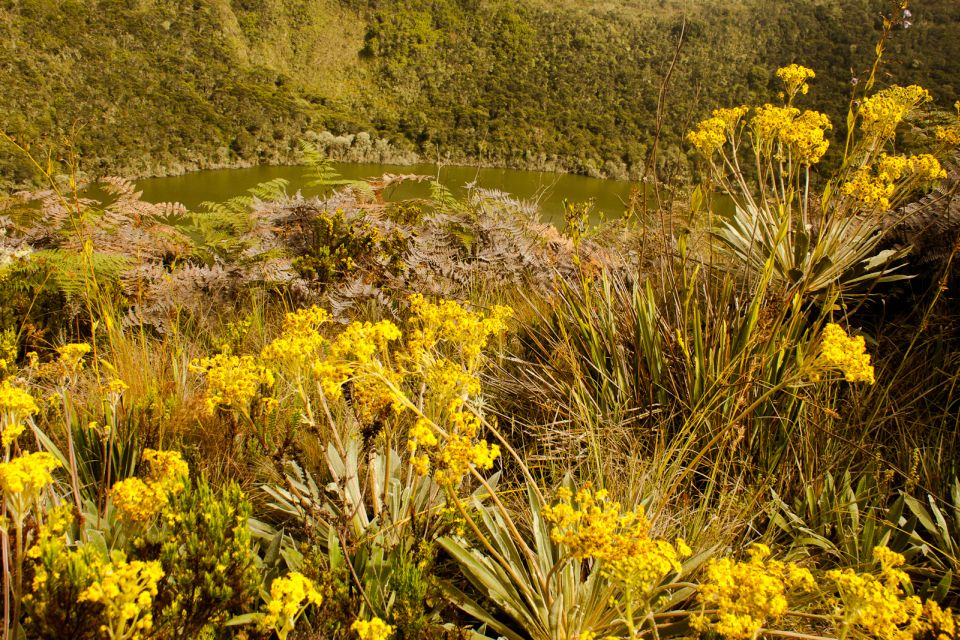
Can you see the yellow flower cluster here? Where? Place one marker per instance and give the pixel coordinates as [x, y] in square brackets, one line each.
[166, 469]
[459, 449]
[596, 528]
[709, 136]
[881, 113]
[126, 591]
[748, 594]
[937, 623]
[232, 381]
[27, 475]
[304, 321]
[447, 380]
[877, 604]
[846, 353]
[781, 129]
[16, 405]
[925, 167]
[876, 189]
[71, 356]
[299, 343]
[711, 133]
[870, 191]
[374, 629]
[289, 597]
[360, 354]
[950, 136]
[449, 328]
[138, 501]
[589, 528]
[795, 79]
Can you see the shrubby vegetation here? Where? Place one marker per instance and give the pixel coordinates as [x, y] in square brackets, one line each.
[442, 418]
[144, 88]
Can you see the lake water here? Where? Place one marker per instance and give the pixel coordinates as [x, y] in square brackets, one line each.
[548, 189]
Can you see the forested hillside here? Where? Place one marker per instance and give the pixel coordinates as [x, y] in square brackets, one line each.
[146, 87]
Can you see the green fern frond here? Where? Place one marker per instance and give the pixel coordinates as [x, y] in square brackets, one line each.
[232, 207]
[70, 272]
[444, 198]
[270, 190]
[320, 171]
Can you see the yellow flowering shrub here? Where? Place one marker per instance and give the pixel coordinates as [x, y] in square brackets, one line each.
[709, 136]
[16, 405]
[840, 351]
[881, 113]
[950, 134]
[139, 502]
[748, 595]
[25, 476]
[166, 469]
[232, 381]
[61, 571]
[299, 343]
[443, 357]
[593, 526]
[877, 604]
[451, 330]
[360, 356]
[373, 629]
[71, 356]
[938, 623]
[795, 78]
[452, 454]
[782, 130]
[305, 321]
[126, 591]
[875, 186]
[289, 598]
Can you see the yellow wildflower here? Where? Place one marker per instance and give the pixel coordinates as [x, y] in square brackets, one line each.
[126, 591]
[938, 623]
[27, 475]
[421, 434]
[709, 136]
[71, 356]
[779, 130]
[881, 113]
[450, 329]
[373, 629]
[872, 192]
[846, 353]
[795, 78]
[731, 117]
[304, 321]
[166, 469]
[877, 604]
[232, 381]
[597, 528]
[138, 502]
[949, 136]
[289, 598]
[877, 190]
[16, 405]
[748, 594]
[299, 342]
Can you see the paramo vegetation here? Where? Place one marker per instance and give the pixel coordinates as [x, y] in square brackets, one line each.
[441, 418]
[163, 87]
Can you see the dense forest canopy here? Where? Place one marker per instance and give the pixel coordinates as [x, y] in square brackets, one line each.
[151, 87]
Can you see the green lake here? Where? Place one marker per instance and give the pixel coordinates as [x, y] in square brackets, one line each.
[548, 189]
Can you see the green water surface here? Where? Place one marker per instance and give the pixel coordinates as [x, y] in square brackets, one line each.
[547, 189]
